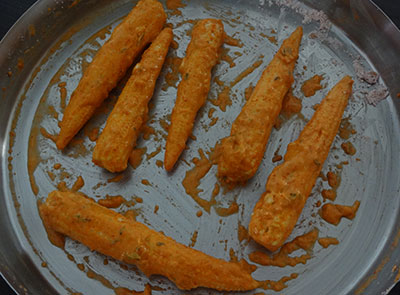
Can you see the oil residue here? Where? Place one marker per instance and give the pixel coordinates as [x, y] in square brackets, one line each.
[333, 213]
[282, 258]
[192, 181]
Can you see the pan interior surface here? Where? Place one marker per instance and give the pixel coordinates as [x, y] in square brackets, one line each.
[33, 105]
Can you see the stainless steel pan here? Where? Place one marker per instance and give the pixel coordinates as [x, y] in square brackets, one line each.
[52, 41]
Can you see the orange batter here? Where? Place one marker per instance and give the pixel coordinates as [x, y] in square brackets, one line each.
[113, 234]
[201, 55]
[243, 150]
[290, 183]
[123, 126]
[109, 65]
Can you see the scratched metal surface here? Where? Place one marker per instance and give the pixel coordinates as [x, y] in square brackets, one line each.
[367, 243]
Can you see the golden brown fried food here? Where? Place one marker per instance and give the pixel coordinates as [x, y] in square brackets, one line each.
[201, 55]
[243, 150]
[109, 65]
[113, 234]
[290, 183]
[123, 126]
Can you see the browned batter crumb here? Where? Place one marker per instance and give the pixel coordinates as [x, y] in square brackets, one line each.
[223, 100]
[193, 239]
[111, 201]
[333, 213]
[326, 242]
[329, 194]
[276, 158]
[348, 148]
[79, 183]
[312, 85]
[138, 200]
[333, 179]
[228, 40]
[346, 129]
[145, 182]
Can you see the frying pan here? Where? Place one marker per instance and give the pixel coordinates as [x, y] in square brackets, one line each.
[51, 38]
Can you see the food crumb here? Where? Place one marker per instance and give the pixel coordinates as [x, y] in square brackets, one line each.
[333, 213]
[329, 194]
[159, 163]
[312, 85]
[138, 200]
[156, 207]
[145, 182]
[276, 158]
[228, 40]
[193, 239]
[111, 201]
[326, 242]
[333, 179]
[348, 148]
[223, 99]
[79, 183]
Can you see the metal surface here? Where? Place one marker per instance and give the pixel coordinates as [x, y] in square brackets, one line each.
[367, 244]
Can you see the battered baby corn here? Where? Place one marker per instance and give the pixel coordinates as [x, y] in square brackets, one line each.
[290, 183]
[109, 65]
[113, 234]
[123, 126]
[201, 55]
[243, 150]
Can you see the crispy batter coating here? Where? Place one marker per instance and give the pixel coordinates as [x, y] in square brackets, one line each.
[123, 126]
[201, 55]
[290, 183]
[109, 65]
[113, 234]
[243, 150]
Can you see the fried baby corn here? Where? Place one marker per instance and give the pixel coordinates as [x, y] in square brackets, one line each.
[201, 55]
[109, 65]
[290, 183]
[123, 126]
[243, 150]
[115, 235]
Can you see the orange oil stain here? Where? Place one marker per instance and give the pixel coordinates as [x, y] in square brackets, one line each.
[282, 258]
[333, 213]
